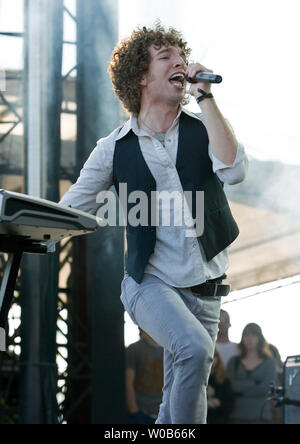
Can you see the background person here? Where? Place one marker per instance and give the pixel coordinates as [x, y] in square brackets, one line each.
[226, 348]
[277, 411]
[144, 380]
[220, 397]
[251, 373]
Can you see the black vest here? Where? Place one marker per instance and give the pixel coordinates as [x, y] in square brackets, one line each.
[195, 171]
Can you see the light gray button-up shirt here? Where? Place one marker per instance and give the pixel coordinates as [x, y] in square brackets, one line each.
[177, 259]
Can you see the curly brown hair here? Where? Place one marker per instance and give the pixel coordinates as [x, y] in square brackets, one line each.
[131, 58]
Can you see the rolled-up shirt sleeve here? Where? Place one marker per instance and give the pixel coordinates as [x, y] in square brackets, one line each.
[95, 176]
[234, 173]
[229, 174]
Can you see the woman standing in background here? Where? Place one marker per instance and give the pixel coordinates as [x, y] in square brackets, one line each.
[251, 373]
[220, 398]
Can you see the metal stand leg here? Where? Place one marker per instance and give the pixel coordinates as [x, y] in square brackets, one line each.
[8, 284]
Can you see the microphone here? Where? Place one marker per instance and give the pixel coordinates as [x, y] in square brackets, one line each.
[205, 77]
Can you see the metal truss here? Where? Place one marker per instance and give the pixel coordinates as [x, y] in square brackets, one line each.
[10, 108]
[10, 360]
[73, 364]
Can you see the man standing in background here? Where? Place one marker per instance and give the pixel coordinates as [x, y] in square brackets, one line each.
[226, 348]
[144, 380]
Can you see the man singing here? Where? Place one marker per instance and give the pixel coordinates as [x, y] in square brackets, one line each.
[173, 282]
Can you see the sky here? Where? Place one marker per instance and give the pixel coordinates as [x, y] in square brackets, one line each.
[254, 45]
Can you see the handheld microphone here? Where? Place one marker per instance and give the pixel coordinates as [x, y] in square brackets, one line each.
[205, 77]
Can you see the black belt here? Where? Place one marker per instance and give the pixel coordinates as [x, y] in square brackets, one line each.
[213, 287]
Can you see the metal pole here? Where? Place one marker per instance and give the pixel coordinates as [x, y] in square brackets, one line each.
[43, 58]
[43, 40]
[98, 115]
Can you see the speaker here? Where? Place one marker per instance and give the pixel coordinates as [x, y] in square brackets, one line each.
[291, 385]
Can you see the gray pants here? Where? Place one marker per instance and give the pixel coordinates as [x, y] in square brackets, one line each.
[186, 326]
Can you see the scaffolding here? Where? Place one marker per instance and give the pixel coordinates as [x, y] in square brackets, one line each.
[57, 369]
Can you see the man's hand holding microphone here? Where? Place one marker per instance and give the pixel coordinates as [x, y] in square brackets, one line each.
[201, 79]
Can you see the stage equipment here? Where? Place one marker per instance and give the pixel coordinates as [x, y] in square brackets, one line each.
[291, 387]
[28, 225]
[288, 396]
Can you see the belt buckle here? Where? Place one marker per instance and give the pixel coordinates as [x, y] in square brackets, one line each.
[215, 290]
[212, 286]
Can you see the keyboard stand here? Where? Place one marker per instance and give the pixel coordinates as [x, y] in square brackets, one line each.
[15, 247]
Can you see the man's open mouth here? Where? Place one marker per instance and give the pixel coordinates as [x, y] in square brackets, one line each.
[177, 80]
